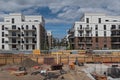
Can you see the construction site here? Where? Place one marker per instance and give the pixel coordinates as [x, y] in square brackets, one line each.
[61, 65]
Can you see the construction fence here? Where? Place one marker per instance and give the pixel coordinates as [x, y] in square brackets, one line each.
[66, 59]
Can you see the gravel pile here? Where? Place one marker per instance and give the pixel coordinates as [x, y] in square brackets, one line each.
[28, 63]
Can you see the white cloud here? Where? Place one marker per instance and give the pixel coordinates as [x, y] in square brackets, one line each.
[67, 10]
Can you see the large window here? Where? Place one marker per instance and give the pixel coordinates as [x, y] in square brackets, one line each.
[13, 26]
[33, 26]
[80, 26]
[96, 40]
[33, 46]
[113, 27]
[104, 33]
[27, 47]
[87, 20]
[13, 33]
[13, 46]
[26, 26]
[13, 21]
[2, 34]
[26, 40]
[3, 46]
[2, 40]
[99, 20]
[96, 33]
[13, 40]
[96, 27]
[104, 27]
[2, 27]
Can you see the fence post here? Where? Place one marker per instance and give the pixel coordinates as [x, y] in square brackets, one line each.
[5, 60]
[13, 60]
[60, 59]
[68, 59]
[21, 59]
[37, 59]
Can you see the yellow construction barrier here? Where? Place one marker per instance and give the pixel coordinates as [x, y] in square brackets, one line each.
[36, 51]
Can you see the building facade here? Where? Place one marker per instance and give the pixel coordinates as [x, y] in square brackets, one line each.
[95, 31]
[20, 32]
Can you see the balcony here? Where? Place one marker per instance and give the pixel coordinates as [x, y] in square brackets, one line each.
[29, 30]
[115, 29]
[88, 42]
[10, 43]
[80, 29]
[115, 43]
[88, 35]
[115, 35]
[17, 29]
[29, 43]
[81, 42]
[71, 36]
[81, 35]
[11, 36]
[88, 28]
[29, 36]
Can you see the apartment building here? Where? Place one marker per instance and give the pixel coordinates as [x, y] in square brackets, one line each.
[95, 31]
[20, 32]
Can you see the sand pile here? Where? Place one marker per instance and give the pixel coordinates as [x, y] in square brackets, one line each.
[28, 63]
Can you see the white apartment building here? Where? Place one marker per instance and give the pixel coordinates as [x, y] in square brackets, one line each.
[20, 32]
[95, 31]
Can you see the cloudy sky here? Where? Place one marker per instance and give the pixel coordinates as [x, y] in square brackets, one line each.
[59, 14]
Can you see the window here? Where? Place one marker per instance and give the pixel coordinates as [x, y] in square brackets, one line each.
[13, 40]
[99, 20]
[36, 20]
[104, 27]
[13, 21]
[87, 20]
[13, 26]
[104, 33]
[2, 27]
[119, 27]
[13, 46]
[2, 46]
[33, 33]
[96, 33]
[105, 46]
[33, 46]
[106, 20]
[27, 47]
[33, 27]
[2, 40]
[87, 25]
[26, 40]
[26, 26]
[80, 26]
[113, 27]
[2, 34]
[27, 34]
[13, 33]
[96, 40]
[96, 27]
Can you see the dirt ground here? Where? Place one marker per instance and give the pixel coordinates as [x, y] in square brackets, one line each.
[6, 72]
[76, 74]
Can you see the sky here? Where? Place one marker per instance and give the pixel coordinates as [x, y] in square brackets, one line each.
[59, 15]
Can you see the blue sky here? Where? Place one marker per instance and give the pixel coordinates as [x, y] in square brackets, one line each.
[59, 15]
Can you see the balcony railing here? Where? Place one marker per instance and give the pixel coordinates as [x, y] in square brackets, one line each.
[11, 29]
[88, 28]
[115, 43]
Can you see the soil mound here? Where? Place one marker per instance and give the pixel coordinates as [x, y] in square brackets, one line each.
[28, 63]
